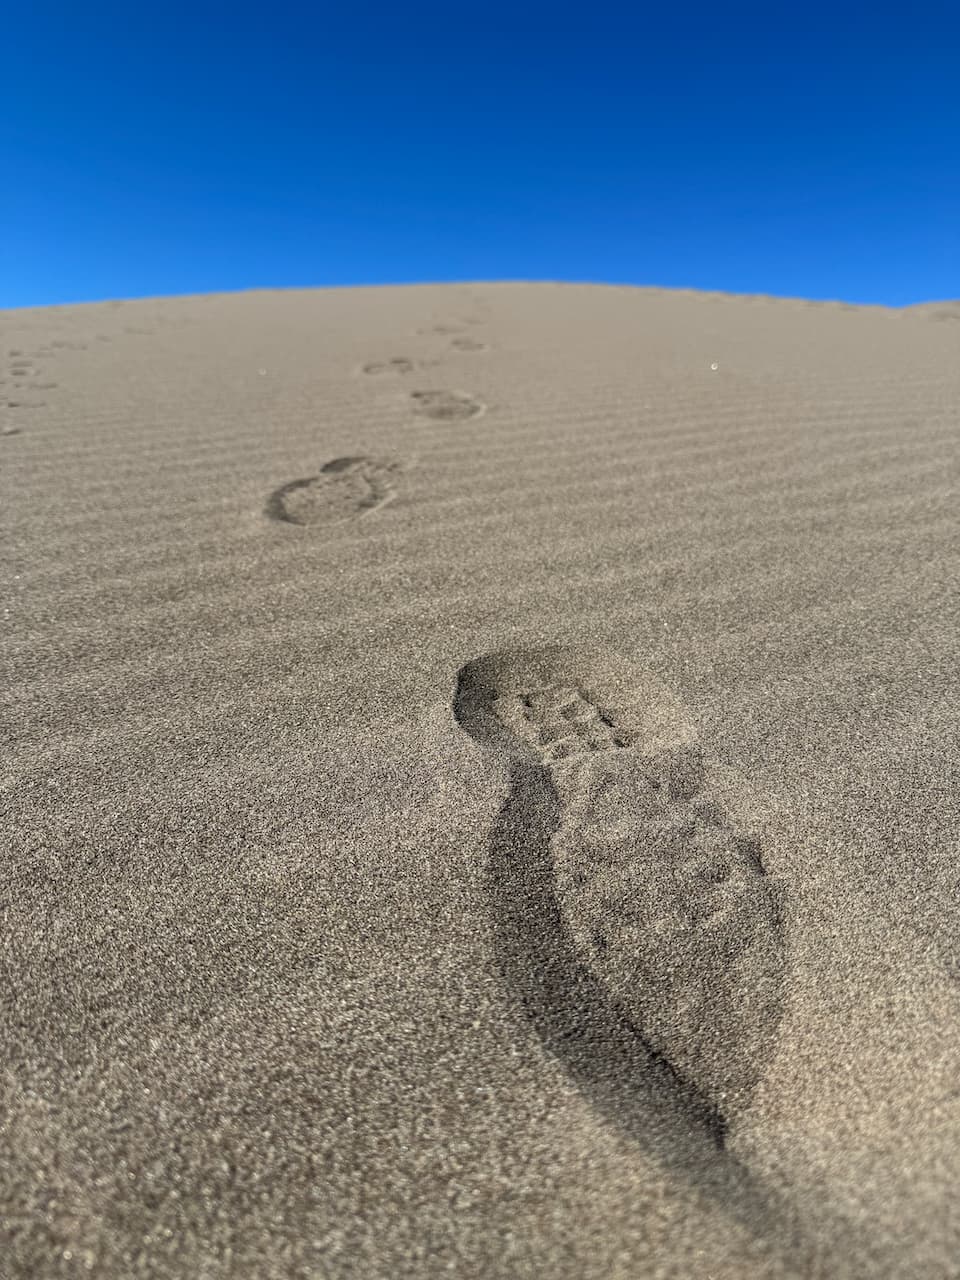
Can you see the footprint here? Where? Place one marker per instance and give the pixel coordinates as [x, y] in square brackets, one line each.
[345, 487]
[442, 328]
[468, 344]
[399, 364]
[664, 899]
[446, 406]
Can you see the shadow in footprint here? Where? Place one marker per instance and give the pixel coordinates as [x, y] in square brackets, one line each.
[631, 1086]
[573, 1014]
[579, 1017]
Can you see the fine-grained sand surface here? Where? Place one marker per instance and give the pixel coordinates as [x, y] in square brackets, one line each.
[480, 786]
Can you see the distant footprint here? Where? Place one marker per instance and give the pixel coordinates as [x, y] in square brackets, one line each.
[399, 364]
[442, 328]
[446, 406]
[665, 901]
[345, 488]
[468, 344]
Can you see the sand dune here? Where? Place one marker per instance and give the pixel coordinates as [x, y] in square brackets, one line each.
[480, 785]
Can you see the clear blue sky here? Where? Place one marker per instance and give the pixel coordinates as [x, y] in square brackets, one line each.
[168, 148]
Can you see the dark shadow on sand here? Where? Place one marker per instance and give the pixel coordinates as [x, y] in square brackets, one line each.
[624, 1080]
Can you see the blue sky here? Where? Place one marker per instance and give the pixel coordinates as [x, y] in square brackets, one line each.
[167, 149]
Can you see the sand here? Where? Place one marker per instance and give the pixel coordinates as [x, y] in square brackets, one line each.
[480, 782]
